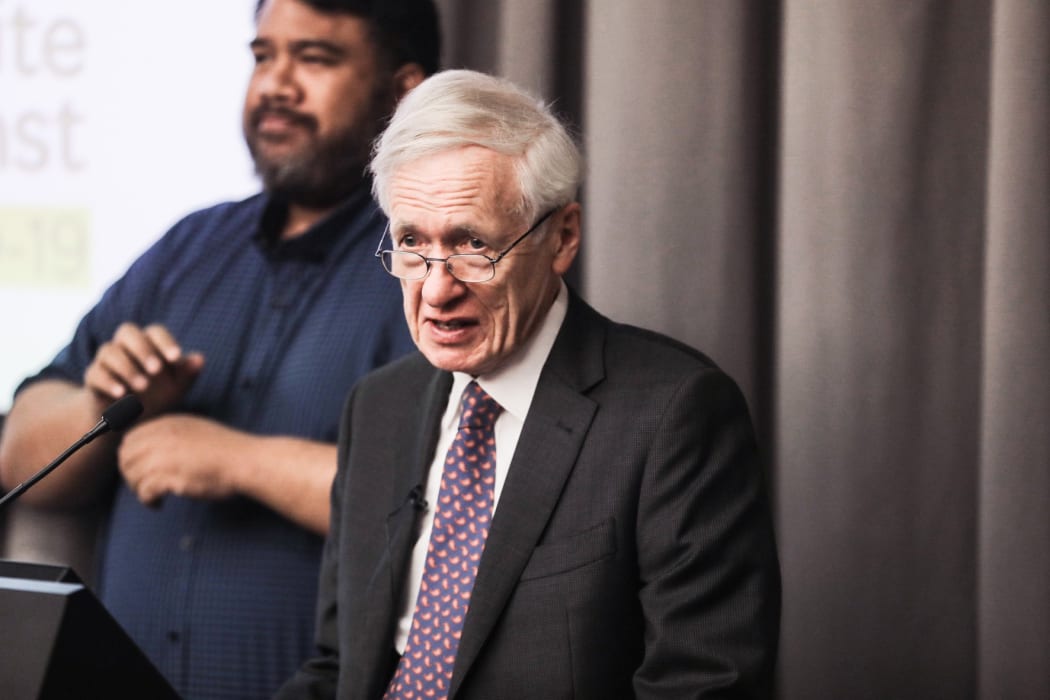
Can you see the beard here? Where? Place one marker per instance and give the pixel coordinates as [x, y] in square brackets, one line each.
[323, 171]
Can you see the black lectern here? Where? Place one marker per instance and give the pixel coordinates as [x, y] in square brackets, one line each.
[59, 642]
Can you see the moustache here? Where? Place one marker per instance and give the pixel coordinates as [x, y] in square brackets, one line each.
[262, 111]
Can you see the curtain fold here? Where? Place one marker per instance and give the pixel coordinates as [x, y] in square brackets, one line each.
[677, 208]
[880, 242]
[1014, 485]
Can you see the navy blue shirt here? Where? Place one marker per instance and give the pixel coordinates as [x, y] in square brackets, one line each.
[221, 595]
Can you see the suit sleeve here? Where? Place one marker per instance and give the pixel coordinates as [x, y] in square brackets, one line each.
[710, 584]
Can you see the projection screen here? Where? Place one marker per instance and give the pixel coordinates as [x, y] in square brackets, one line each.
[116, 118]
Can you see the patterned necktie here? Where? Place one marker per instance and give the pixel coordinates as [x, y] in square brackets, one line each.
[461, 523]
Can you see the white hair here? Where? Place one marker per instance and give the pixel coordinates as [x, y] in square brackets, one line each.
[458, 108]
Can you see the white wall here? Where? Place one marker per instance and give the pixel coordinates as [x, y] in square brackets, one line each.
[116, 118]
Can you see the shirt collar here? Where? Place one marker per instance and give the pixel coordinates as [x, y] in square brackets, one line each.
[514, 384]
[316, 242]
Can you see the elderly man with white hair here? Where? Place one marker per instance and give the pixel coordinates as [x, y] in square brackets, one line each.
[540, 503]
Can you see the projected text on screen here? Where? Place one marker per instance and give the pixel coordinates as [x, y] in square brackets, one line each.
[38, 137]
[40, 134]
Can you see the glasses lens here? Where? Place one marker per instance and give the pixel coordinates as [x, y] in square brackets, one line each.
[407, 266]
[471, 268]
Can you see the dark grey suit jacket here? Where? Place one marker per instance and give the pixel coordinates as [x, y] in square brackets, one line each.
[631, 553]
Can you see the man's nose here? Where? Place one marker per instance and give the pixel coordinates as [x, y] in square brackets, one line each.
[440, 287]
[278, 81]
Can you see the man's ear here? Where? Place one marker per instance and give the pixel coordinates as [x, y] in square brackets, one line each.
[567, 236]
[407, 77]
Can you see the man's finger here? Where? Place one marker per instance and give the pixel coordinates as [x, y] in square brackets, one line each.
[140, 348]
[164, 342]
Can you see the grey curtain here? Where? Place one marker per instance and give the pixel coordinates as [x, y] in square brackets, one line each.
[845, 203]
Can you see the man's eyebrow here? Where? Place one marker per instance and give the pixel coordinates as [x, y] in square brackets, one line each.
[303, 45]
[318, 44]
[460, 231]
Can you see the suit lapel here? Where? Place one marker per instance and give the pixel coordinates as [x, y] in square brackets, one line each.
[550, 442]
[375, 640]
[416, 456]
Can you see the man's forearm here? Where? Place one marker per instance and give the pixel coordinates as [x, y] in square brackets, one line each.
[47, 418]
[290, 475]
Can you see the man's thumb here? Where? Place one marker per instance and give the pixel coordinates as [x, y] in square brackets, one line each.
[189, 367]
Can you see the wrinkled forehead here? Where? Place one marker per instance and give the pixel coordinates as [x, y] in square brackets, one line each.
[461, 188]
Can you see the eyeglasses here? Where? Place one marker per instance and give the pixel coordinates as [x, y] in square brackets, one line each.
[465, 267]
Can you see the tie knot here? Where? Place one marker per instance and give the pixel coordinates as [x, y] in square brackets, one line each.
[477, 408]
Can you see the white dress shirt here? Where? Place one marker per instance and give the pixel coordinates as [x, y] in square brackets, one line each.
[513, 387]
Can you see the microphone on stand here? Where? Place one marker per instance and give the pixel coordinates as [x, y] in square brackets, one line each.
[118, 416]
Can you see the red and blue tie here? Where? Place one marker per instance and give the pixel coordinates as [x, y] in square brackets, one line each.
[461, 523]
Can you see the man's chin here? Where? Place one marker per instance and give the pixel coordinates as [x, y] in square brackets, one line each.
[277, 163]
[277, 156]
[452, 360]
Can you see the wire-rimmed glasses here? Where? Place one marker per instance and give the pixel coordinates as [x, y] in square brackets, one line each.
[465, 267]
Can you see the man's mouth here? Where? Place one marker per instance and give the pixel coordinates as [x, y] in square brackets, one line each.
[453, 325]
[277, 120]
